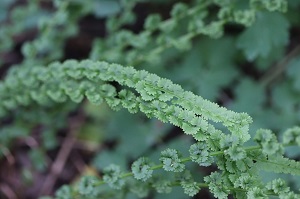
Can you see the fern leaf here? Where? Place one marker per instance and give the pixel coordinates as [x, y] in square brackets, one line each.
[278, 164]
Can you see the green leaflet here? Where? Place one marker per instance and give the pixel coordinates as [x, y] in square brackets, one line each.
[112, 175]
[170, 159]
[291, 136]
[278, 164]
[141, 169]
[214, 180]
[199, 153]
[190, 188]
[86, 185]
[279, 186]
[256, 192]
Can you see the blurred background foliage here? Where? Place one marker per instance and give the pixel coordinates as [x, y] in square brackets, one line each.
[253, 69]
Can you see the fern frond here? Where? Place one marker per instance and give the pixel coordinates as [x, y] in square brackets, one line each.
[149, 93]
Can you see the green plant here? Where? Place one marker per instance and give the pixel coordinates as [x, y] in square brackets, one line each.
[42, 92]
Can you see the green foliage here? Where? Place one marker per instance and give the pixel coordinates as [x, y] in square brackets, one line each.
[278, 164]
[86, 186]
[196, 47]
[112, 175]
[190, 188]
[199, 153]
[171, 160]
[292, 136]
[141, 169]
[267, 140]
[215, 181]
[270, 30]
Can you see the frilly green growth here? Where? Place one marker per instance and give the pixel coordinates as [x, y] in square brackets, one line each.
[142, 91]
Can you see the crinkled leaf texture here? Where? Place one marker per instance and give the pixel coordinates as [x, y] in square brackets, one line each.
[141, 169]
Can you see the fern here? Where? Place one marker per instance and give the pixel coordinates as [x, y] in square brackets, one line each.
[186, 110]
[220, 135]
[156, 97]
